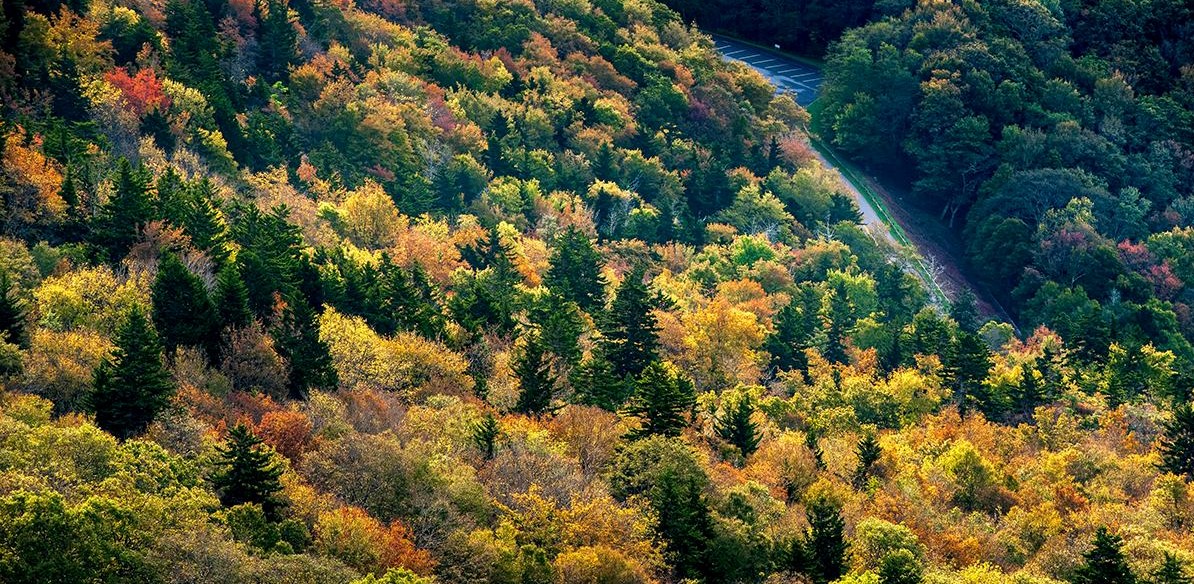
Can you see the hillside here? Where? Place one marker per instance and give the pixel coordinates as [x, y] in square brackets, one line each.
[516, 292]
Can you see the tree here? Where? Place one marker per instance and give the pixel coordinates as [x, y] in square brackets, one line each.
[535, 379]
[560, 326]
[1177, 442]
[12, 312]
[248, 472]
[684, 523]
[826, 540]
[485, 434]
[900, 567]
[736, 427]
[575, 270]
[841, 322]
[1171, 571]
[298, 342]
[662, 398]
[597, 384]
[869, 452]
[1105, 562]
[630, 330]
[182, 310]
[131, 386]
[796, 327]
[276, 37]
[232, 298]
[1029, 392]
[120, 220]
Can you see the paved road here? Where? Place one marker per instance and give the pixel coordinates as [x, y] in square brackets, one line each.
[804, 81]
[787, 74]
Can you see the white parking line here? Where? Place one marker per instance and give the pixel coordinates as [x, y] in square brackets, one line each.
[733, 53]
[760, 63]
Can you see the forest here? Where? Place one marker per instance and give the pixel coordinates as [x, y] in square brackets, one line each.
[547, 292]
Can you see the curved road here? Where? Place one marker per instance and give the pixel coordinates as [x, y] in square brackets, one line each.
[803, 80]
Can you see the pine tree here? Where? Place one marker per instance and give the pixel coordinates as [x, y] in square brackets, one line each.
[575, 270]
[535, 379]
[182, 310]
[841, 323]
[826, 540]
[277, 38]
[1177, 442]
[736, 427]
[248, 472]
[685, 524]
[869, 452]
[964, 311]
[966, 364]
[485, 435]
[560, 326]
[1105, 562]
[131, 386]
[1171, 572]
[232, 298]
[796, 327]
[630, 332]
[203, 222]
[597, 384]
[662, 399]
[120, 220]
[1029, 393]
[12, 312]
[299, 343]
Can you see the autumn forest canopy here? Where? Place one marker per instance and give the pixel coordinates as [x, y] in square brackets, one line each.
[547, 291]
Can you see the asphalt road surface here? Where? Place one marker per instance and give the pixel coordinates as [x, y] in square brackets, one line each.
[787, 74]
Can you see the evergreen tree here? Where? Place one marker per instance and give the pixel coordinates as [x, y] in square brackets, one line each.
[12, 312]
[560, 326]
[1171, 572]
[405, 300]
[966, 364]
[1029, 392]
[685, 524]
[964, 311]
[182, 310]
[796, 327]
[485, 435]
[1105, 562]
[597, 384]
[248, 472]
[630, 331]
[203, 222]
[535, 379]
[797, 558]
[298, 342]
[826, 540]
[662, 399]
[121, 219]
[232, 298]
[736, 427]
[132, 385]
[841, 323]
[1177, 442]
[575, 270]
[869, 452]
[276, 37]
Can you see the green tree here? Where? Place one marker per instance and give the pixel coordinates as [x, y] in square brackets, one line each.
[869, 453]
[535, 379]
[232, 298]
[826, 540]
[900, 567]
[575, 270]
[276, 38]
[662, 399]
[119, 222]
[182, 310]
[736, 427]
[684, 523]
[560, 325]
[298, 341]
[485, 435]
[840, 314]
[1171, 572]
[630, 328]
[796, 327]
[131, 386]
[1105, 562]
[12, 312]
[597, 384]
[248, 472]
[1177, 442]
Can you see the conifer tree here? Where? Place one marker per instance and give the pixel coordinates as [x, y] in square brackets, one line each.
[1177, 442]
[869, 452]
[597, 384]
[182, 310]
[575, 270]
[203, 222]
[1171, 571]
[485, 434]
[120, 220]
[1105, 562]
[12, 312]
[308, 355]
[232, 298]
[560, 326]
[630, 331]
[685, 524]
[535, 379]
[796, 327]
[248, 472]
[736, 427]
[841, 323]
[131, 386]
[662, 399]
[1029, 392]
[276, 37]
[826, 540]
